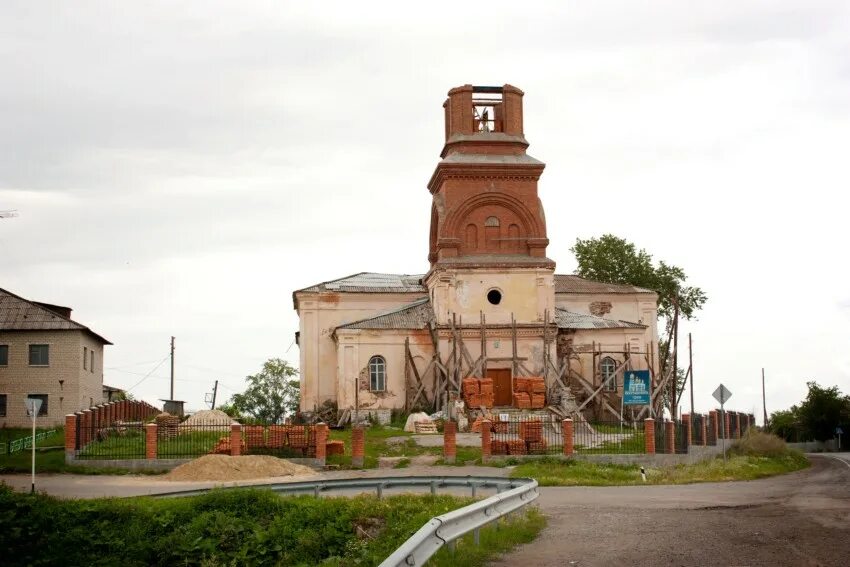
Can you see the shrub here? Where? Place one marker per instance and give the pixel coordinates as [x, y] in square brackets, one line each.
[759, 444]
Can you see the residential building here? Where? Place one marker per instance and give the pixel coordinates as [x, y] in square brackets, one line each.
[45, 354]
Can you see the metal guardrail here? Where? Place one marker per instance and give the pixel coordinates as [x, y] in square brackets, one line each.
[26, 442]
[511, 494]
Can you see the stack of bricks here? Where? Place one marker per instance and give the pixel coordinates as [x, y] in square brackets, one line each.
[531, 432]
[254, 436]
[167, 425]
[529, 393]
[478, 392]
[335, 447]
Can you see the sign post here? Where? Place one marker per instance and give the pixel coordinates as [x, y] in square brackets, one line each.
[721, 394]
[839, 432]
[33, 407]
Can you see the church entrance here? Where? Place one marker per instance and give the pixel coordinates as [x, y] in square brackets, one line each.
[502, 390]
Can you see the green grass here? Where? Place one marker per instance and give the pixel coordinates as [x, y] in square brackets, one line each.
[8, 434]
[556, 472]
[235, 527]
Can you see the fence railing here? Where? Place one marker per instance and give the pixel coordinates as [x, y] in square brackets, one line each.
[543, 435]
[24, 442]
[118, 441]
[511, 494]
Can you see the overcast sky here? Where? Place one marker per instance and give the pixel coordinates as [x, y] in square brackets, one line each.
[180, 168]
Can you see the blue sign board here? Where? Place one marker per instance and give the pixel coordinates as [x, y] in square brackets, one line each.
[636, 388]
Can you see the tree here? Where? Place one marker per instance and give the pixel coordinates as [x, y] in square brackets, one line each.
[823, 410]
[271, 394]
[786, 423]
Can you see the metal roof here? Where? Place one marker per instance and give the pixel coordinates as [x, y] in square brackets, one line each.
[416, 315]
[19, 314]
[570, 283]
[368, 282]
[570, 320]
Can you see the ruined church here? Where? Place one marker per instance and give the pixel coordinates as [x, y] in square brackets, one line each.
[490, 305]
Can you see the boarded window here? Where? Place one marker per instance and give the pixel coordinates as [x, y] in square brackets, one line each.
[471, 237]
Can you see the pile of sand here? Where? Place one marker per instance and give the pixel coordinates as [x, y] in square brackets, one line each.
[225, 467]
[206, 418]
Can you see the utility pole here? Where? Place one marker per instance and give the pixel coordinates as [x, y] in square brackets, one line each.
[691, 369]
[215, 391]
[763, 398]
[172, 369]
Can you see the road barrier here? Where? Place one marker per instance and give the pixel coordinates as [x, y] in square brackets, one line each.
[511, 494]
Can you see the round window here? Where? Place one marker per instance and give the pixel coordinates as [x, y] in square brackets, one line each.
[494, 296]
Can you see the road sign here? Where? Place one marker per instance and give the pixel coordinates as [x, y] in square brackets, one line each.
[839, 431]
[722, 394]
[33, 406]
[636, 388]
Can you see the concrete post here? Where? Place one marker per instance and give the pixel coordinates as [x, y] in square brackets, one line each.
[358, 446]
[235, 439]
[649, 436]
[567, 432]
[450, 442]
[486, 446]
[321, 443]
[150, 441]
[670, 432]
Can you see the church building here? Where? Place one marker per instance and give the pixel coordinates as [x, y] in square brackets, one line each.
[490, 304]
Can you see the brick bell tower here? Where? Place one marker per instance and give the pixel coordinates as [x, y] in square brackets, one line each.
[488, 231]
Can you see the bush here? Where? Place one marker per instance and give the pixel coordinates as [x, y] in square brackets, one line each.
[759, 444]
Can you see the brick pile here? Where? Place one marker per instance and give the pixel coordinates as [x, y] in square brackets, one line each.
[529, 393]
[478, 392]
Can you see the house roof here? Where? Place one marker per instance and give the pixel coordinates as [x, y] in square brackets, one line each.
[571, 320]
[369, 282]
[19, 314]
[416, 315]
[570, 283]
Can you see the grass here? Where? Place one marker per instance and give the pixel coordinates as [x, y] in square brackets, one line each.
[235, 527]
[8, 434]
[757, 455]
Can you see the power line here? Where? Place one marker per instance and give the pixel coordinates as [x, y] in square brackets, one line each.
[148, 374]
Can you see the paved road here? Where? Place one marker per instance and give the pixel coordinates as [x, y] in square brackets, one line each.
[797, 519]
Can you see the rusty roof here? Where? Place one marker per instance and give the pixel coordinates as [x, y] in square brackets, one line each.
[416, 315]
[19, 314]
[571, 320]
[571, 283]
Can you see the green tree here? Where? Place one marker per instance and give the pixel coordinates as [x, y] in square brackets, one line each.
[272, 394]
[823, 410]
[786, 424]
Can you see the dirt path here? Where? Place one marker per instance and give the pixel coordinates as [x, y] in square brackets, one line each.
[797, 519]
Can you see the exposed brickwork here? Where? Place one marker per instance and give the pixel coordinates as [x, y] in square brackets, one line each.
[714, 424]
[704, 431]
[649, 436]
[235, 439]
[321, 442]
[567, 432]
[727, 423]
[87, 427]
[737, 425]
[670, 439]
[686, 419]
[450, 441]
[486, 447]
[358, 446]
[150, 441]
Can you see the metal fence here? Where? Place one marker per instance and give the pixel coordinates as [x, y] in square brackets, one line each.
[543, 435]
[280, 440]
[124, 441]
[24, 442]
[182, 441]
[680, 437]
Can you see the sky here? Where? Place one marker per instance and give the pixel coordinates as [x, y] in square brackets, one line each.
[180, 168]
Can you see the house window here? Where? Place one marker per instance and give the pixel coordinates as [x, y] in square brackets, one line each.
[2, 405]
[609, 373]
[43, 397]
[377, 374]
[39, 355]
[85, 358]
[4, 355]
[91, 366]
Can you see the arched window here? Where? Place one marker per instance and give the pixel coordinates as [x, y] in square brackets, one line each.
[377, 374]
[608, 368]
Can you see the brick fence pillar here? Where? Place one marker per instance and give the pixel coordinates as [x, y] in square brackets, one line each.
[321, 443]
[150, 441]
[358, 446]
[714, 424]
[70, 436]
[450, 442]
[486, 445]
[649, 436]
[686, 419]
[235, 439]
[726, 423]
[87, 427]
[704, 431]
[737, 425]
[567, 433]
[670, 432]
